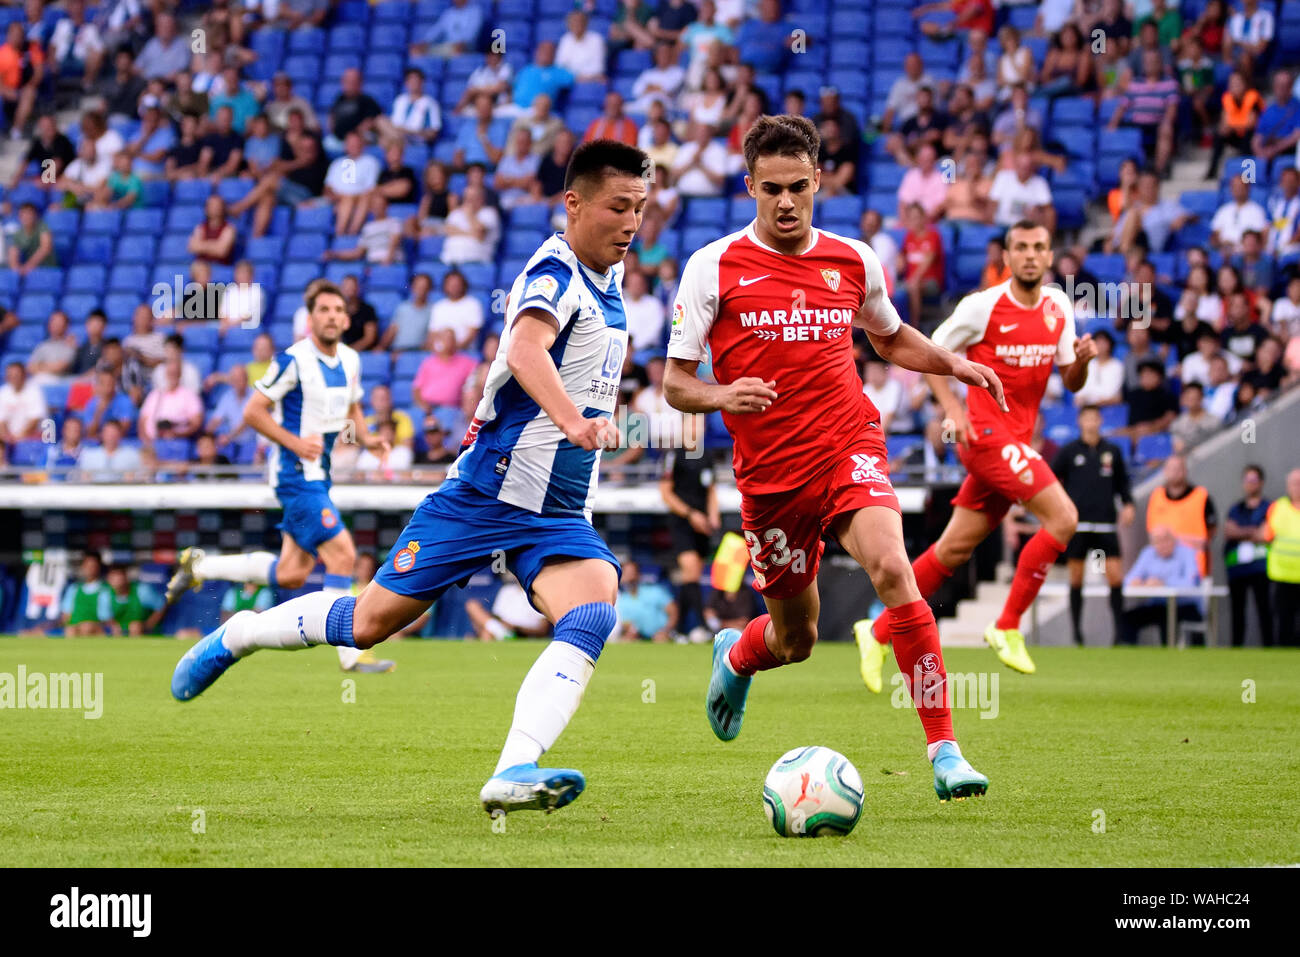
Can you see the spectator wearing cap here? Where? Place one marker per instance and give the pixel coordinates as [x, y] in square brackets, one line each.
[441, 376]
[581, 51]
[283, 100]
[435, 444]
[155, 138]
[453, 33]
[31, 245]
[415, 114]
[1235, 218]
[166, 54]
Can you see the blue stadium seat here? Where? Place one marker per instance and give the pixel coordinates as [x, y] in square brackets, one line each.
[44, 280]
[29, 453]
[56, 394]
[307, 247]
[265, 249]
[375, 368]
[183, 219]
[135, 249]
[1113, 417]
[191, 192]
[200, 340]
[314, 219]
[347, 38]
[402, 390]
[119, 306]
[108, 221]
[704, 211]
[388, 277]
[86, 278]
[1154, 448]
[238, 341]
[93, 249]
[65, 221]
[1076, 110]
[149, 221]
[173, 450]
[295, 276]
[32, 316]
[391, 37]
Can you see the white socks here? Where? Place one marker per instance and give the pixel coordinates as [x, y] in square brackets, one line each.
[254, 567]
[932, 749]
[548, 699]
[299, 623]
[347, 654]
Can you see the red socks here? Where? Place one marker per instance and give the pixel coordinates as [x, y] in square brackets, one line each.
[916, 648]
[751, 653]
[1036, 558]
[930, 575]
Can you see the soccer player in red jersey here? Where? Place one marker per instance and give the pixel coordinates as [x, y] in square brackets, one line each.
[1018, 327]
[775, 305]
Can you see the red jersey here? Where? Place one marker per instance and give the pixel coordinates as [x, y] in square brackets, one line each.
[1018, 343]
[786, 319]
[916, 248]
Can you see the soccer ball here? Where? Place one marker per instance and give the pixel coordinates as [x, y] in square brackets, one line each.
[812, 791]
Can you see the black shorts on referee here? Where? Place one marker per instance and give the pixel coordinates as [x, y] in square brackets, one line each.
[1084, 543]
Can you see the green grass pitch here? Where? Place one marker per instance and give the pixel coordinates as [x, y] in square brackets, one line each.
[272, 767]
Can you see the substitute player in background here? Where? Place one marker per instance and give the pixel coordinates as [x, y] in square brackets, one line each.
[523, 487]
[1018, 327]
[311, 392]
[775, 304]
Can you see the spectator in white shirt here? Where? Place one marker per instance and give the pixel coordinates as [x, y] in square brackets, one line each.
[885, 392]
[1020, 193]
[1286, 311]
[379, 242]
[1105, 382]
[496, 78]
[22, 406]
[645, 313]
[662, 82]
[901, 105]
[1221, 393]
[882, 244]
[1236, 217]
[700, 166]
[348, 180]
[398, 458]
[1195, 367]
[243, 304]
[84, 175]
[76, 44]
[581, 51]
[457, 311]
[515, 180]
[472, 230]
[415, 114]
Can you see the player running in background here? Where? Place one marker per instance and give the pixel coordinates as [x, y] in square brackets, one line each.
[311, 392]
[775, 304]
[1018, 327]
[523, 488]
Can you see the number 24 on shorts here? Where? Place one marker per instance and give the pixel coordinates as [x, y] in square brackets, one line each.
[1018, 455]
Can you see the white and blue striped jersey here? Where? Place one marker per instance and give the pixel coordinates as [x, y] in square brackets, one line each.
[312, 393]
[517, 454]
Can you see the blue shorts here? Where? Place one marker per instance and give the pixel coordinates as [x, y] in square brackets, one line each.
[310, 518]
[457, 531]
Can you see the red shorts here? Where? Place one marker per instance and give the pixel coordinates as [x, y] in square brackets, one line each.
[784, 529]
[1000, 470]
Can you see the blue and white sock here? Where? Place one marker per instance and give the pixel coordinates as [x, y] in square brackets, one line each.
[553, 688]
[340, 586]
[320, 618]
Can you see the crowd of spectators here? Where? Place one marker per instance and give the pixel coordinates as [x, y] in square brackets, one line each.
[411, 181]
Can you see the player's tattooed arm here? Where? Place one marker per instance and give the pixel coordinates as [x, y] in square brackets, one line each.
[532, 333]
[686, 392]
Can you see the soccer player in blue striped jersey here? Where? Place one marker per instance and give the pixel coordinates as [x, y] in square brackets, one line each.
[522, 488]
[311, 394]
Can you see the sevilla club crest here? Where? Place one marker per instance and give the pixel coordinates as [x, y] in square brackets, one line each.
[832, 277]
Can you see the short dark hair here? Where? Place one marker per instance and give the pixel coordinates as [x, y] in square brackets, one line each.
[177, 340]
[1252, 467]
[1104, 334]
[1194, 385]
[1019, 225]
[783, 135]
[316, 289]
[599, 159]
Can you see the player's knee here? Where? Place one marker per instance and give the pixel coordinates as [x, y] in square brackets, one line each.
[1064, 522]
[291, 577]
[587, 627]
[889, 571]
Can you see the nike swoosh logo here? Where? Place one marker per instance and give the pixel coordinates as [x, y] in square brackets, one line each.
[874, 494]
[1008, 328]
[749, 282]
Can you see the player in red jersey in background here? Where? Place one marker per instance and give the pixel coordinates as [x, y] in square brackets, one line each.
[1018, 327]
[775, 305]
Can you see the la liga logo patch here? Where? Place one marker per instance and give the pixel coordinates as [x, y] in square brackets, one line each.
[544, 286]
[404, 560]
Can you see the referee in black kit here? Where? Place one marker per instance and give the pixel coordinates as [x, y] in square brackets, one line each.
[1094, 475]
[692, 499]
